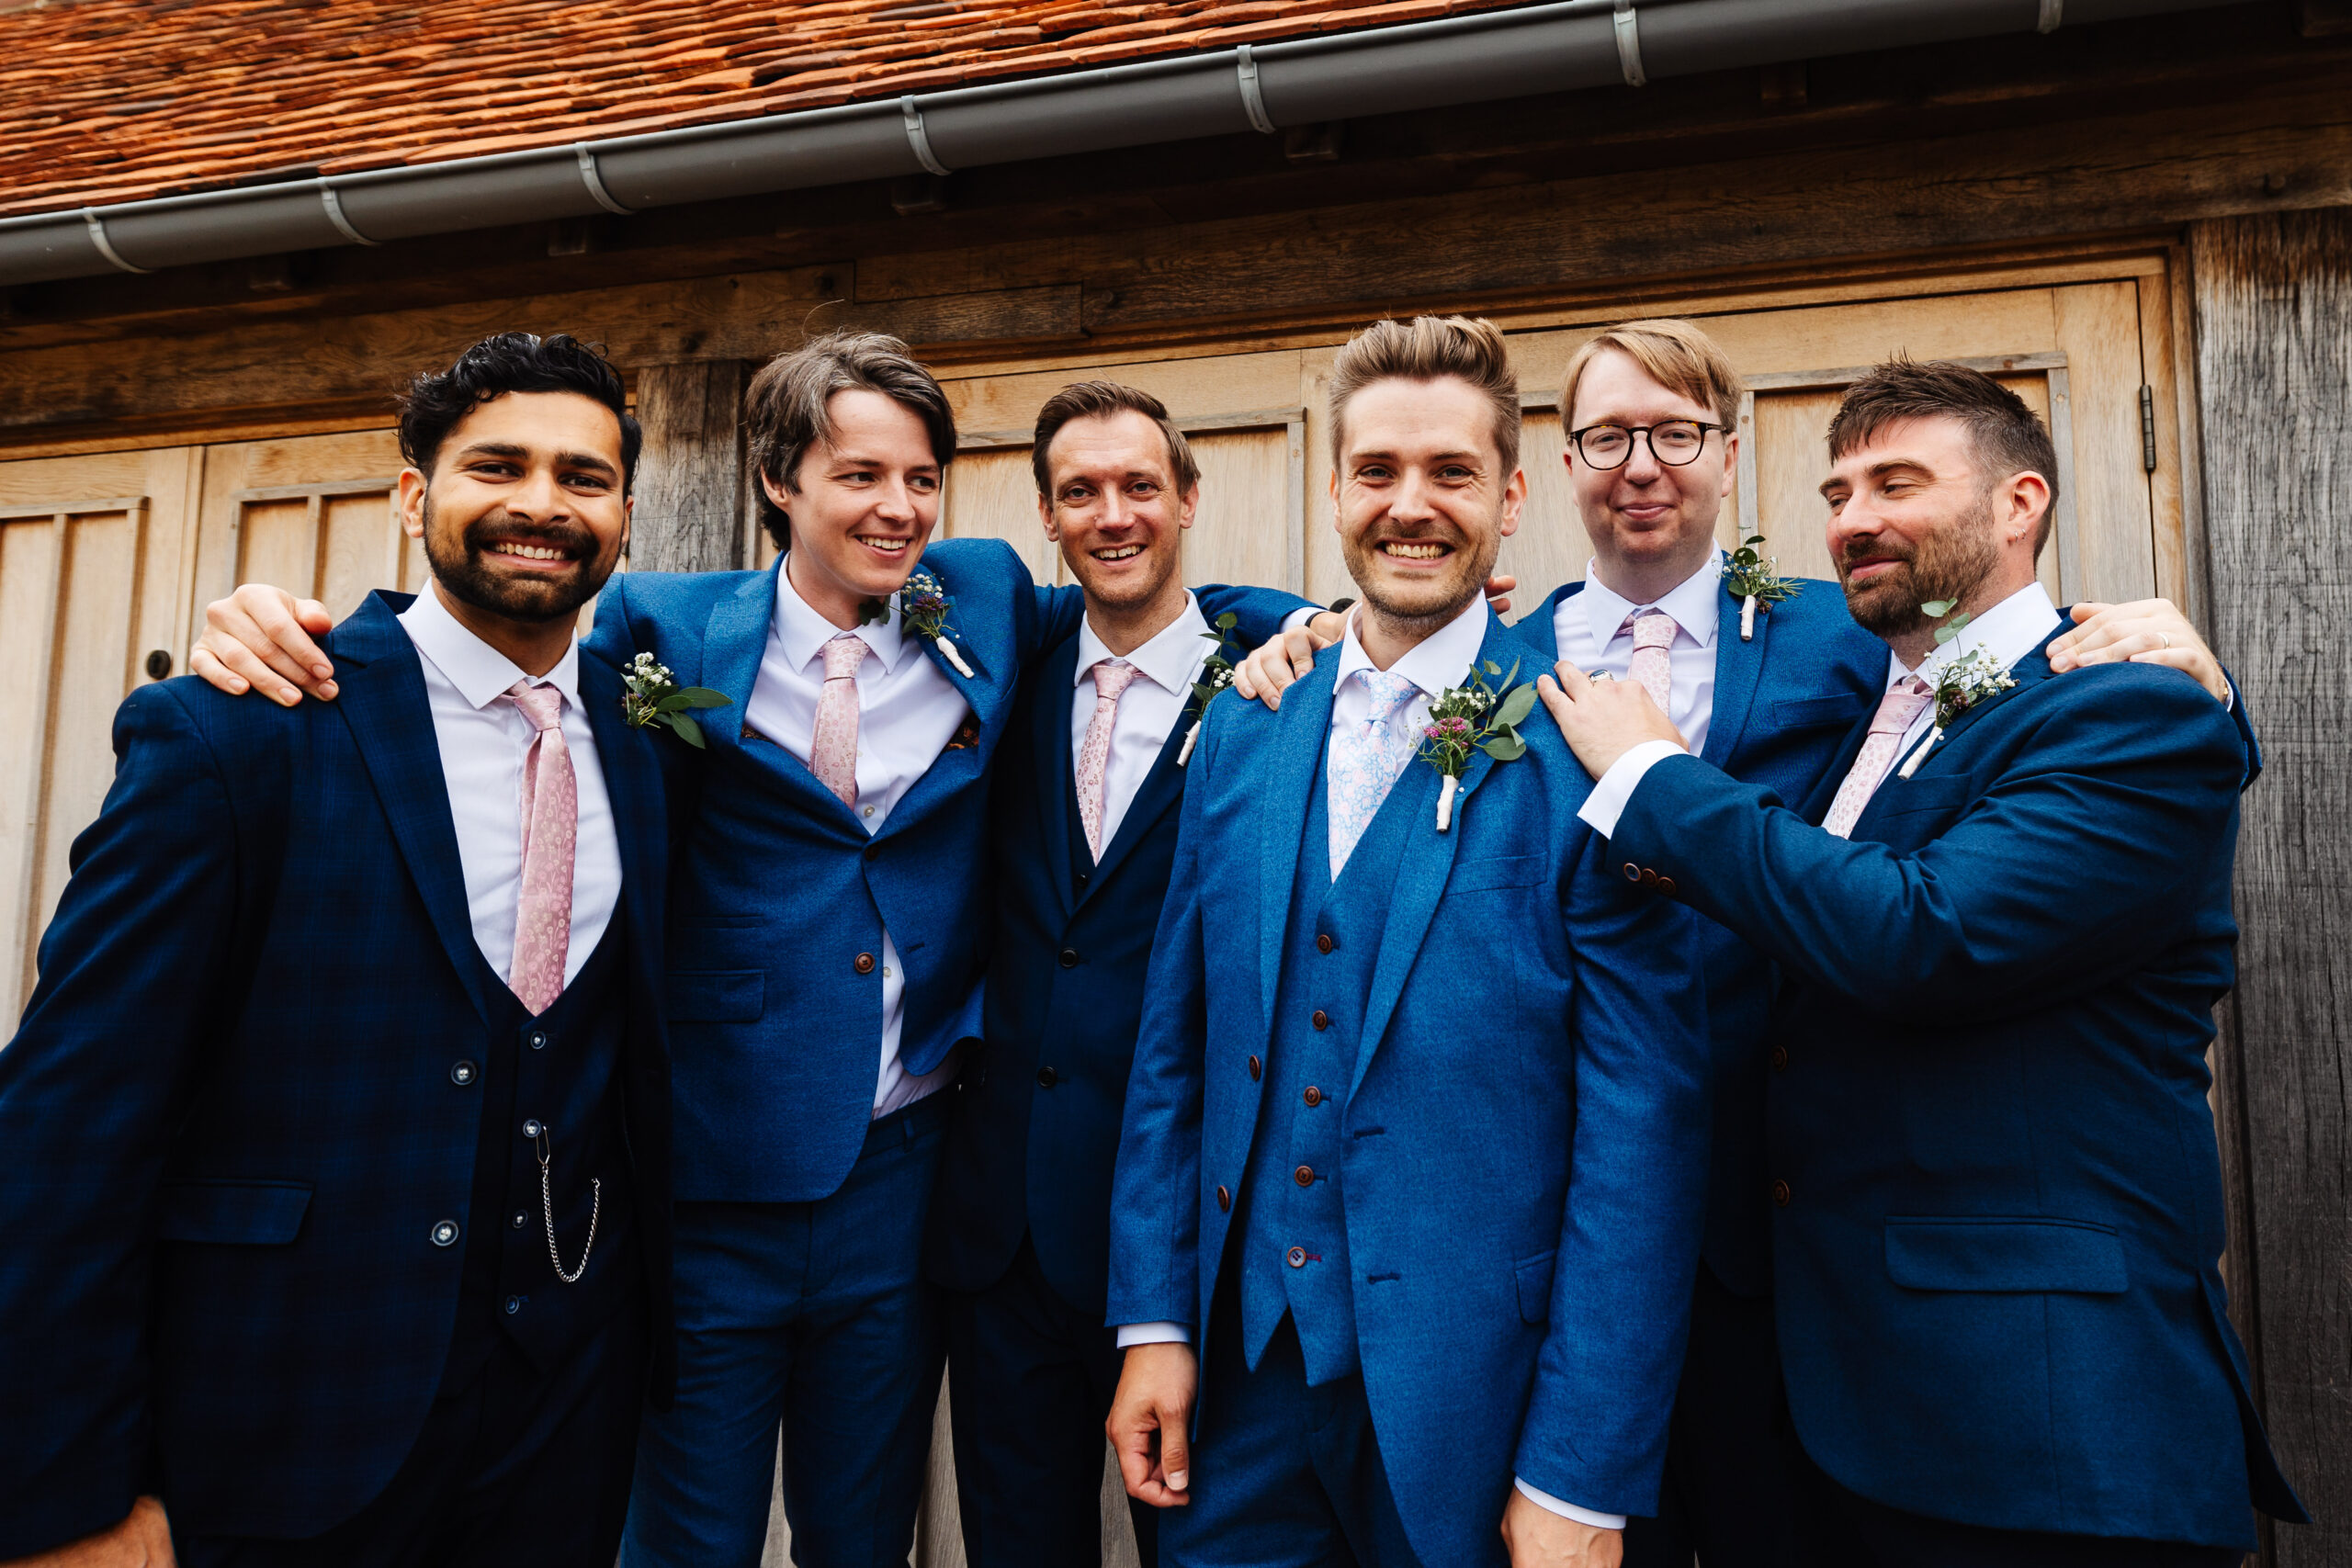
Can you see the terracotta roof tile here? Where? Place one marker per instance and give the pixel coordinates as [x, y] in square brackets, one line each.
[116, 100]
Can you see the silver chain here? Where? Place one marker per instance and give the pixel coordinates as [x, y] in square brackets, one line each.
[547, 1207]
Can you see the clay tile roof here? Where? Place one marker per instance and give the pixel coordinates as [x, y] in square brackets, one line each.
[116, 100]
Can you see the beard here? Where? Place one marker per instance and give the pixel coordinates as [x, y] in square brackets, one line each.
[1946, 561]
[462, 566]
[1421, 606]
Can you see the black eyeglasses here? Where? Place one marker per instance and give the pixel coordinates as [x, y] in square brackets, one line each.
[1674, 441]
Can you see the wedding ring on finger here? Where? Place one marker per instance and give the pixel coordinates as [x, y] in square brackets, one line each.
[1600, 676]
[2168, 636]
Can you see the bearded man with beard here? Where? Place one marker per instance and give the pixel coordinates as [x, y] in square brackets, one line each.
[337, 1130]
[2002, 921]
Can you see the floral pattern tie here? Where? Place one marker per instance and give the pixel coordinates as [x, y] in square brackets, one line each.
[1365, 759]
[1110, 678]
[832, 745]
[1900, 707]
[1651, 666]
[550, 831]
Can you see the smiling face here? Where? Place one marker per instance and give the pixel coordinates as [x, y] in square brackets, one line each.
[1421, 499]
[862, 505]
[1115, 510]
[522, 516]
[1647, 520]
[1914, 518]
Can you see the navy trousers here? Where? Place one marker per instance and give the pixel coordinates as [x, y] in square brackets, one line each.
[1031, 1379]
[815, 1318]
[1728, 1495]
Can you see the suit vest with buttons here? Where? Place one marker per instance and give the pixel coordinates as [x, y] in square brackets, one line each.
[562, 1069]
[1293, 1226]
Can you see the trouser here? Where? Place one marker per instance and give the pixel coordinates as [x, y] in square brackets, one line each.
[1727, 1497]
[1031, 1379]
[515, 1468]
[816, 1318]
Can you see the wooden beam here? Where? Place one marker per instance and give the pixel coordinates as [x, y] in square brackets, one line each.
[692, 489]
[2274, 312]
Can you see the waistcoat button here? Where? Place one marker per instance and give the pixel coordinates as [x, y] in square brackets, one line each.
[444, 1231]
[1324, 944]
[1780, 1058]
[1780, 1193]
[1314, 1095]
[461, 1073]
[534, 1128]
[514, 1306]
[1223, 1200]
[1046, 1078]
[1256, 1067]
[1069, 958]
[536, 1040]
[1321, 1020]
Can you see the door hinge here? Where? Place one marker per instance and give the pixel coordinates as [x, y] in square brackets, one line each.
[2147, 429]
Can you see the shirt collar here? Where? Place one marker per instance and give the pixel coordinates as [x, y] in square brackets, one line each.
[804, 633]
[1442, 658]
[1690, 601]
[1171, 660]
[2008, 631]
[479, 672]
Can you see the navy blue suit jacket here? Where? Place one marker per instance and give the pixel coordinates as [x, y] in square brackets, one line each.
[229, 1116]
[775, 990]
[1526, 1130]
[2000, 1204]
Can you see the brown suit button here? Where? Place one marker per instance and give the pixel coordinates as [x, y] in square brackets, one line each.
[1223, 1200]
[1296, 1257]
[873, 852]
[1314, 1095]
[1321, 1020]
[1256, 1067]
[865, 965]
[1323, 945]
[1649, 877]
[1780, 1058]
[1304, 1176]
[1632, 872]
[1780, 1193]
[1665, 885]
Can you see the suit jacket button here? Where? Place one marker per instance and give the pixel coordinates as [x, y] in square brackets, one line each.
[1314, 1096]
[865, 965]
[1780, 1193]
[873, 852]
[1304, 1176]
[1780, 1058]
[1321, 1020]
[1223, 1200]
[1665, 885]
[444, 1231]
[1296, 1257]
[1324, 943]
[1632, 872]
[1256, 1067]
[1046, 1079]
[461, 1073]
[1069, 958]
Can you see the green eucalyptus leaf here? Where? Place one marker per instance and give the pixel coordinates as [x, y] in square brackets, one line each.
[1515, 707]
[688, 730]
[671, 704]
[1937, 608]
[704, 697]
[1492, 668]
[1229, 620]
[1505, 747]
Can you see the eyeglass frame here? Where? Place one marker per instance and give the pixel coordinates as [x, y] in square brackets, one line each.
[1575, 441]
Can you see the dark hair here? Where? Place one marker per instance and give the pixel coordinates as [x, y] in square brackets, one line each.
[2004, 433]
[1094, 400]
[784, 409]
[438, 401]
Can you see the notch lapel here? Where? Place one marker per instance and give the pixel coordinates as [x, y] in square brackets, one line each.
[735, 639]
[1540, 630]
[633, 780]
[1739, 670]
[1050, 721]
[1294, 766]
[1160, 789]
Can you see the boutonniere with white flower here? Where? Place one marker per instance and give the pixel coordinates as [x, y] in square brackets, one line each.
[651, 694]
[1750, 577]
[1217, 675]
[923, 607]
[1974, 677]
[1474, 717]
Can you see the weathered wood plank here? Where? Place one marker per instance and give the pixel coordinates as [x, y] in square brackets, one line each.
[2273, 337]
[693, 491]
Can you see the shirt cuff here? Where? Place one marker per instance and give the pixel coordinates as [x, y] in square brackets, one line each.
[1569, 1510]
[1154, 1334]
[1607, 801]
[1297, 619]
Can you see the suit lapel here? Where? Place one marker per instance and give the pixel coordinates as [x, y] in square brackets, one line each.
[1541, 630]
[383, 700]
[1739, 668]
[1293, 764]
[2031, 671]
[1050, 721]
[633, 780]
[1160, 789]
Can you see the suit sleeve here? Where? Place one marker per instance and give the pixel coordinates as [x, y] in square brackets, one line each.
[1155, 1193]
[91, 1090]
[609, 637]
[1261, 611]
[2058, 876]
[1596, 1426]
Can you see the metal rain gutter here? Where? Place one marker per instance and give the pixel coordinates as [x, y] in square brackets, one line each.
[1458, 60]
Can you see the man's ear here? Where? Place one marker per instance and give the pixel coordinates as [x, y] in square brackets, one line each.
[1190, 504]
[410, 498]
[1731, 464]
[2029, 502]
[1514, 498]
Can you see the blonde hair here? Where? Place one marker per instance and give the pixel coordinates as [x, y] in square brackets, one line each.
[1677, 355]
[1431, 348]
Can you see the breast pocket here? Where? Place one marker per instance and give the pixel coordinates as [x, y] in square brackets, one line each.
[1816, 712]
[1491, 872]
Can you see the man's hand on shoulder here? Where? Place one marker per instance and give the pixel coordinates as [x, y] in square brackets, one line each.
[1602, 719]
[259, 638]
[2146, 631]
[143, 1540]
[1151, 1422]
[1539, 1538]
[1288, 656]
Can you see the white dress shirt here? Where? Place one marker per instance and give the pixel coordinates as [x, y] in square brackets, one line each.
[2008, 631]
[1166, 668]
[1592, 633]
[482, 742]
[906, 712]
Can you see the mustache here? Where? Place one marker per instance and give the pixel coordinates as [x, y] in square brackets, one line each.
[498, 529]
[1858, 551]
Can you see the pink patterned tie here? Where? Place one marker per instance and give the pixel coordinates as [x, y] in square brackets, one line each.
[1110, 678]
[1901, 705]
[833, 748]
[550, 828]
[1653, 635]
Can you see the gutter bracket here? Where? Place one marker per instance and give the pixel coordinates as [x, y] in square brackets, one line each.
[1253, 101]
[917, 138]
[1629, 43]
[2053, 13]
[593, 178]
[105, 246]
[340, 219]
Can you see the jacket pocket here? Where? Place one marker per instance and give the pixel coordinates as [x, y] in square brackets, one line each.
[736, 996]
[232, 1213]
[1495, 871]
[1814, 712]
[2005, 1255]
[1534, 1276]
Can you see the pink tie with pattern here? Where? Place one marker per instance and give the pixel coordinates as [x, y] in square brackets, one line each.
[1902, 704]
[551, 829]
[1651, 666]
[1110, 678]
[832, 747]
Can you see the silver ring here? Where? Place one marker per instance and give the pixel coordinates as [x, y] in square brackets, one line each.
[1602, 675]
[2168, 636]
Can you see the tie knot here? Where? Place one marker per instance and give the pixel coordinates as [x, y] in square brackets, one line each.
[1900, 705]
[1652, 629]
[543, 706]
[843, 654]
[1389, 693]
[1110, 678]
